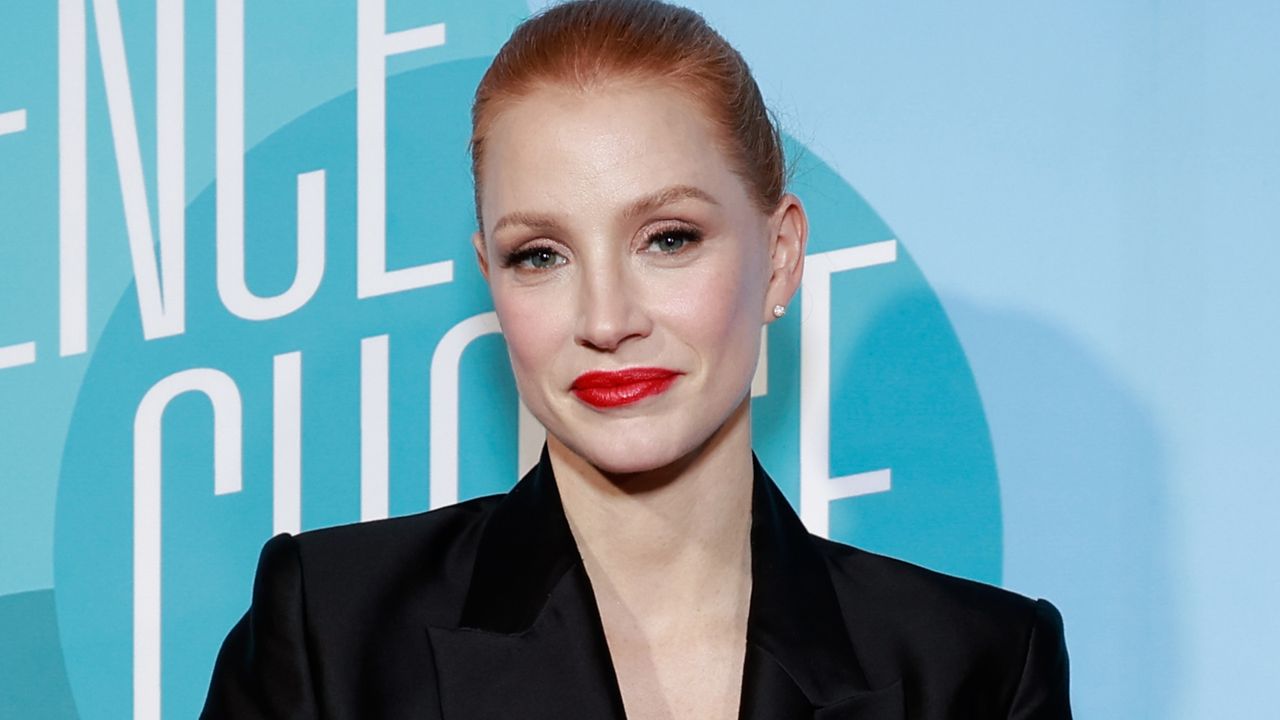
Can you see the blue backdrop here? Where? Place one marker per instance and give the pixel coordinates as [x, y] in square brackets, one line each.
[1040, 299]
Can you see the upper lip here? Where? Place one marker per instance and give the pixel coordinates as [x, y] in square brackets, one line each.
[613, 378]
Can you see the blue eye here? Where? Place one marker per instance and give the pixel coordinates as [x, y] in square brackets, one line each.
[670, 242]
[535, 258]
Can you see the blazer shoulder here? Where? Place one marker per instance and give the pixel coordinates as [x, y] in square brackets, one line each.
[908, 612]
[338, 610]
[420, 563]
[918, 587]
[442, 529]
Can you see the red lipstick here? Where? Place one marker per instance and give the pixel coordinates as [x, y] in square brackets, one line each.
[612, 388]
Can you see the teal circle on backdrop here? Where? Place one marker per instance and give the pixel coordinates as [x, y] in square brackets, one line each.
[902, 394]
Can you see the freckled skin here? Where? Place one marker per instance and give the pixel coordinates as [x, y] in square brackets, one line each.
[612, 300]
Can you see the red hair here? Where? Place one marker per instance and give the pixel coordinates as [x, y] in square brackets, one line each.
[587, 43]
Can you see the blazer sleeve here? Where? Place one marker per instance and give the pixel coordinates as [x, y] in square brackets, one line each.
[263, 669]
[1044, 690]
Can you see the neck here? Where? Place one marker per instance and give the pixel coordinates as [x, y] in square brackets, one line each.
[671, 538]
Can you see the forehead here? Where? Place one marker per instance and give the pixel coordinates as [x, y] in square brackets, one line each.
[564, 148]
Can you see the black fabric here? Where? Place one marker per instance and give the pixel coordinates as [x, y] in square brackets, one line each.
[485, 610]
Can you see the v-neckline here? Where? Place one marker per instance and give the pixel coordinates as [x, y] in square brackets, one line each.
[531, 627]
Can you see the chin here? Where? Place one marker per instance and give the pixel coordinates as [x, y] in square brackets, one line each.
[625, 453]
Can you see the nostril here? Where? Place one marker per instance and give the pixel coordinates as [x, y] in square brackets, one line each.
[609, 312]
[600, 336]
[605, 331]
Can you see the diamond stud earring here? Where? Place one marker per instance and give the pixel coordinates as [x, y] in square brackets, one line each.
[779, 311]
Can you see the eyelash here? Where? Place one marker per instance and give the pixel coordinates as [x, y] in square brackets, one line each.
[687, 234]
[519, 258]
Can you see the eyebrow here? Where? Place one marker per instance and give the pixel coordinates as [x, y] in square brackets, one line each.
[544, 222]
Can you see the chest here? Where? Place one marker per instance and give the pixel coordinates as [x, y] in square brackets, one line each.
[692, 673]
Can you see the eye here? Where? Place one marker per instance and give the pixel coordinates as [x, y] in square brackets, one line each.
[535, 258]
[670, 242]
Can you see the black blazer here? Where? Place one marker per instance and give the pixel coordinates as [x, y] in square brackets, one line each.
[484, 610]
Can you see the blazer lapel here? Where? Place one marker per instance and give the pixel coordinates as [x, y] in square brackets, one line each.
[799, 662]
[529, 642]
[769, 692]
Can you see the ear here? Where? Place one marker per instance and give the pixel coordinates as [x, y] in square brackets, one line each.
[482, 258]
[789, 235]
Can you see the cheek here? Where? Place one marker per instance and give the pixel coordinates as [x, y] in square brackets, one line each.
[718, 309]
[535, 329]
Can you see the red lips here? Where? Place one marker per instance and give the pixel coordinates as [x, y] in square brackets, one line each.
[606, 389]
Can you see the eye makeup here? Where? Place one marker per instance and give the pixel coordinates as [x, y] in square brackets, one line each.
[670, 240]
[533, 257]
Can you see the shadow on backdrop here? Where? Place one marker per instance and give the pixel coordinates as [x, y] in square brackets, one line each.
[33, 676]
[1084, 495]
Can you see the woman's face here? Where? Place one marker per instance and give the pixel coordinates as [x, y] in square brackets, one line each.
[618, 238]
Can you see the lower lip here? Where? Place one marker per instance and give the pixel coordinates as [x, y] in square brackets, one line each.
[626, 394]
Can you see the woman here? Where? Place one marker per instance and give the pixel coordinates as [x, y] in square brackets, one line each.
[635, 233]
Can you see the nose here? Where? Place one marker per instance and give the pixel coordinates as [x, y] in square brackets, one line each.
[609, 309]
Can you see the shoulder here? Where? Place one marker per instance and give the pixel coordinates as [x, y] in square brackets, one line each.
[372, 543]
[420, 563]
[904, 586]
[340, 613]
[945, 630]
